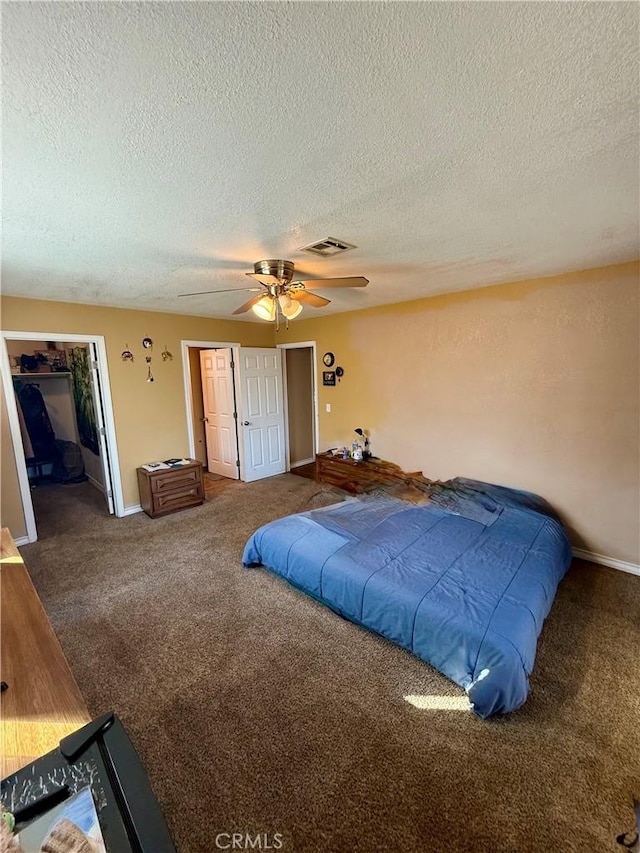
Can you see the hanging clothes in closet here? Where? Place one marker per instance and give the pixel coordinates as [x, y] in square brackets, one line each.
[37, 422]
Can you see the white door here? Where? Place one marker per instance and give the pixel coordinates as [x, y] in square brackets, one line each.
[102, 432]
[262, 412]
[219, 412]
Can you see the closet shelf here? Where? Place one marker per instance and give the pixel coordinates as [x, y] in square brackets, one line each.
[40, 375]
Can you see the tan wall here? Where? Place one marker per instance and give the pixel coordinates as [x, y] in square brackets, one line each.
[533, 384]
[11, 514]
[300, 398]
[150, 418]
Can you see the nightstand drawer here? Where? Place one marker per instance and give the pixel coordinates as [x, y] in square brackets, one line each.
[178, 499]
[176, 478]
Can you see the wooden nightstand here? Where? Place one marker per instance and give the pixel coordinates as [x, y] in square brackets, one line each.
[363, 475]
[171, 489]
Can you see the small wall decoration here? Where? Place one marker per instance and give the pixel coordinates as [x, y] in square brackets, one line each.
[328, 359]
[328, 377]
[147, 343]
[339, 373]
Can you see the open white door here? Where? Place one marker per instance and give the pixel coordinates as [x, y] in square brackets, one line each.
[262, 418]
[218, 394]
[101, 429]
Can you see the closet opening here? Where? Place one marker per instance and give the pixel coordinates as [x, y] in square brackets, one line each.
[58, 417]
[301, 406]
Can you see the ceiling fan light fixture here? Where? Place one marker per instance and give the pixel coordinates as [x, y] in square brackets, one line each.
[279, 296]
[265, 308]
[289, 307]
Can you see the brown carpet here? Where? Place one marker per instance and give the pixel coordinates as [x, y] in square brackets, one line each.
[256, 709]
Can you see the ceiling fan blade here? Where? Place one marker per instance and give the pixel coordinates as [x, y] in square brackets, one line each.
[229, 290]
[309, 298]
[249, 304]
[321, 283]
[264, 279]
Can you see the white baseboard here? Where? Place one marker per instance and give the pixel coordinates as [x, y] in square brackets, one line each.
[96, 484]
[22, 540]
[302, 462]
[621, 565]
[132, 510]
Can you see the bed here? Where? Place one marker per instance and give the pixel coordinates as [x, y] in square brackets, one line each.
[464, 581]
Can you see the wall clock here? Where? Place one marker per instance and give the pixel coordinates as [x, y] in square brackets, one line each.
[328, 358]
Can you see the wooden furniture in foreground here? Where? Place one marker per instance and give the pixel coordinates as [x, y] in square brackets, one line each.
[171, 489]
[362, 476]
[42, 703]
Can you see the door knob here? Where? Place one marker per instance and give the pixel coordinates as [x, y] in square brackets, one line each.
[246, 423]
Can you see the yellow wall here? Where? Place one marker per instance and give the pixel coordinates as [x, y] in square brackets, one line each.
[150, 418]
[533, 384]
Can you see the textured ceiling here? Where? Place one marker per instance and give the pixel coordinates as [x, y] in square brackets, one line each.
[157, 148]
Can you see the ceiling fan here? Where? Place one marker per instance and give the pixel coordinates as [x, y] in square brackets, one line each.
[278, 294]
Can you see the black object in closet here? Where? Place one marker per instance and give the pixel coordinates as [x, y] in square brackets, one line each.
[37, 421]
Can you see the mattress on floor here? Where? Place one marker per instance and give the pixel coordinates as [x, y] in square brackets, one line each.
[465, 584]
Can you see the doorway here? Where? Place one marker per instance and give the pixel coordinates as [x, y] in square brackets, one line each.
[259, 414]
[301, 395]
[196, 365]
[61, 423]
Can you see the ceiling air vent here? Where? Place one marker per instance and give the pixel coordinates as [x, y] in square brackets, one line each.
[329, 246]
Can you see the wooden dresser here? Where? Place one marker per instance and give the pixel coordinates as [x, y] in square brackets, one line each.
[42, 703]
[363, 475]
[171, 489]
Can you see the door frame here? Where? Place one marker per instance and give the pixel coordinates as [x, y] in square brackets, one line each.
[314, 396]
[112, 463]
[234, 346]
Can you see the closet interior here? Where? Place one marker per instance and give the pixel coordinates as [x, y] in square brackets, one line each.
[57, 413]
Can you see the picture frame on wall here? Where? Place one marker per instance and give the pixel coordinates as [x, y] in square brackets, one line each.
[328, 377]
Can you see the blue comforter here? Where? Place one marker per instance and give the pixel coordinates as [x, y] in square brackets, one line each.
[464, 582]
